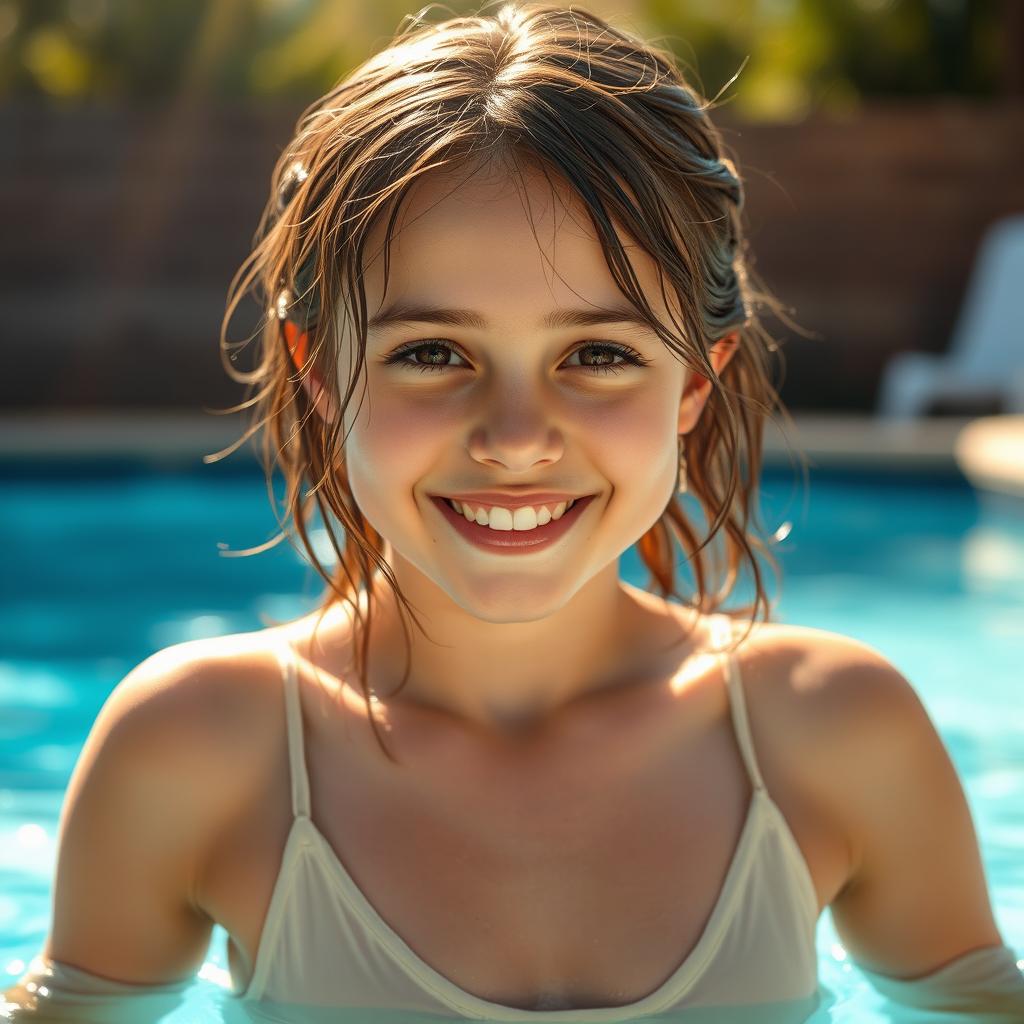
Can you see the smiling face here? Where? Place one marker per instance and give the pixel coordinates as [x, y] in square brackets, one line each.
[513, 396]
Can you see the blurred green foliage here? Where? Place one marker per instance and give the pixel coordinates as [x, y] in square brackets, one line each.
[801, 55]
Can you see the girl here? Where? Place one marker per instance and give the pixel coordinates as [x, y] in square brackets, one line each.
[487, 778]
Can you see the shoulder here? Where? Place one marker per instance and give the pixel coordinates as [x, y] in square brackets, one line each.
[842, 698]
[211, 692]
[843, 714]
[833, 682]
[195, 724]
[864, 733]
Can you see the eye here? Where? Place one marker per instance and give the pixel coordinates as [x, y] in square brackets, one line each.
[435, 349]
[438, 349]
[608, 350]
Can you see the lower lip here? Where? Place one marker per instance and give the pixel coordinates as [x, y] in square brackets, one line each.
[513, 541]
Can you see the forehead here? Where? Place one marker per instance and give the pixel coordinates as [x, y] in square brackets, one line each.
[513, 247]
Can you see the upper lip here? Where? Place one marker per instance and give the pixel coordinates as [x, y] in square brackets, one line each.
[503, 500]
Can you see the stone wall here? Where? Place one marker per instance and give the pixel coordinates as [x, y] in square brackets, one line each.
[122, 229]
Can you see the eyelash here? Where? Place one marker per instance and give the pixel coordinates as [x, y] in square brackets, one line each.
[632, 357]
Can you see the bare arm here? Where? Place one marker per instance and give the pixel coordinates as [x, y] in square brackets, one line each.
[917, 898]
[134, 828]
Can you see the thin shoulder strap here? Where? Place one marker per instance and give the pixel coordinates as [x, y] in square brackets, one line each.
[293, 718]
[722, 626]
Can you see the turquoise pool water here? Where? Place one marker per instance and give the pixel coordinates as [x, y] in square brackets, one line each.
[105, 562]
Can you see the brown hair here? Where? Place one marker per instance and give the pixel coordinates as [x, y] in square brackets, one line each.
[568, 93]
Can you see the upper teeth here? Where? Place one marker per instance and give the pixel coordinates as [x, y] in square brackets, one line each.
[526, 518]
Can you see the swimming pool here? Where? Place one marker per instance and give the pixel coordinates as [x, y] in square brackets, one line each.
[105, 561]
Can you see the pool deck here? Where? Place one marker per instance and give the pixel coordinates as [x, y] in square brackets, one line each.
[987, 450]
[827, 440]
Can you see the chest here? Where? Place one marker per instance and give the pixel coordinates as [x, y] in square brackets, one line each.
[593, 896]
[589, 882]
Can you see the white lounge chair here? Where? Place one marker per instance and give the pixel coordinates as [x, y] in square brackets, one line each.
[986, 357]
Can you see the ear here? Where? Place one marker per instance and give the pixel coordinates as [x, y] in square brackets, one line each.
[298, 342]
[298, 345]
[698, 388]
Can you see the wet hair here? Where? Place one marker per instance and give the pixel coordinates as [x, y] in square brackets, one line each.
[611, 117]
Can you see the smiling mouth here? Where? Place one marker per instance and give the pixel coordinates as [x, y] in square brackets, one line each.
[548, 508]
[534, 535]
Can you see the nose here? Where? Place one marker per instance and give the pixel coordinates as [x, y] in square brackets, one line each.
[516, 436]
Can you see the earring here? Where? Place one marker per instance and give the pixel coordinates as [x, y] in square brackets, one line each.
[682, 466]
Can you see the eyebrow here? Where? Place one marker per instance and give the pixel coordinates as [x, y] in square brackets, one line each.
[401, 312]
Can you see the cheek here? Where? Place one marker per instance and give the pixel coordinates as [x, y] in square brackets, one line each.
[394, 444]
[400, 437]
[636, 445]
